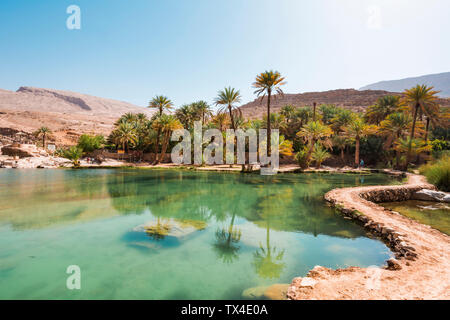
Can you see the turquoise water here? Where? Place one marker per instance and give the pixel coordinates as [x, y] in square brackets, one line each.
[154, 234]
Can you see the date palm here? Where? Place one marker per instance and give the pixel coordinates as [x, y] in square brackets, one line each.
[202, 109]
[313, 132]
[161, 103]
[125, 135]
[167, 124]
[320, 155]
[43, 132]
[358, 129]
[395, 127]
[414, 147]
[384, 107]
[227, 98]
[221, 121]
[419, 98]
[340, 142]
[186, 115]
[266, 83]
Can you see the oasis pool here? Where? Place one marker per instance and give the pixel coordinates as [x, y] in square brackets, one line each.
[157, 234]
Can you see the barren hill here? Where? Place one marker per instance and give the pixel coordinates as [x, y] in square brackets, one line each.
[67, 114]
[347, 98]
[440, 81]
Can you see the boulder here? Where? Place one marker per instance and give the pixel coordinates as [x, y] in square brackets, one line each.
[254, 293]
[431, 195]
[393, 264]
[277, 291]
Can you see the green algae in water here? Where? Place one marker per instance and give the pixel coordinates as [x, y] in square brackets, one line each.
[434, 214]
[158, 234]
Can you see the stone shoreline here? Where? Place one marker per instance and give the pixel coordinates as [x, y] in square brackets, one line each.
[421, 269]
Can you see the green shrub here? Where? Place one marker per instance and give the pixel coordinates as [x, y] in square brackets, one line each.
[89, 143]
[301, 158]
[438, 173]
[73, 153]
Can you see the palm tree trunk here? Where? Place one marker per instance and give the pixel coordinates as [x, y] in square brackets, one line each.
[426, 129]
[357, 151]
[269, 149]
[342, 156]
[157, 145]
[314, 111]
[308, 155]
[43, 141]
[164, 147]
[411, 137]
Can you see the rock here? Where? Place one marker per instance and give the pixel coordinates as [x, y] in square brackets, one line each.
[254, 293]
[393, 264]
[308, 282]
[276, 291]
[431, 195]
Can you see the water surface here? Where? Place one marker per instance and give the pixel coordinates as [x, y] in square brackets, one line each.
[156, 234]
[434, 214]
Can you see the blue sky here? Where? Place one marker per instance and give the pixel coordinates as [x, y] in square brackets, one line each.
[188, 50]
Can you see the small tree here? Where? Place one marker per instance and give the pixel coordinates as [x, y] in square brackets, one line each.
[74, 154]
[319, 155]
[43, 132]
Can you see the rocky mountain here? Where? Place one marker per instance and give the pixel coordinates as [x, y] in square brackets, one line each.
[67, 114]
[440, 82]
[356, 100]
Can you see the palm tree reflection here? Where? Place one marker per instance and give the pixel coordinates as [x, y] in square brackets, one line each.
[226, 246]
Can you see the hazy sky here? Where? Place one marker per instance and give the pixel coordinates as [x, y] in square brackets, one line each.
[188, 50]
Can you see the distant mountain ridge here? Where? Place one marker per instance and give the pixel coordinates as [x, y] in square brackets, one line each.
[440, 81]
[68, 114]
[356, 100]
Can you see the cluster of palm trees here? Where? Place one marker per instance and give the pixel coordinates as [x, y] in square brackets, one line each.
[403, 122]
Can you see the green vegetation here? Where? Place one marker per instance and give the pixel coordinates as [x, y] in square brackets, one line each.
[74, 154]
[42, 132]
[89, 143]
[438, 173]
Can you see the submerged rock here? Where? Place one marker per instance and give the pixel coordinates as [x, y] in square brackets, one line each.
[276, 291]
[393, 264]
[431, 195]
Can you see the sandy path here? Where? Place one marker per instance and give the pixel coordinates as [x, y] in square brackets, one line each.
[425, 270]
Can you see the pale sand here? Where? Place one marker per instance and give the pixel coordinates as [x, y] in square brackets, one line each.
[428, 277]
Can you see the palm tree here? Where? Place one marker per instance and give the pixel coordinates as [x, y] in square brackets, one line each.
[265, 84]
[358, 129]
[384, 107]
[288, 111]
[42, 132]
[202, 108]
[395, 127]
[221, 121]
[312, 132]
[340, 142]
[421, 98]
[414, 147]
[167, 124]
[124, 135]
[185, 114]
[319, 155]
[74, 154]
[227, 98]
[161, 103]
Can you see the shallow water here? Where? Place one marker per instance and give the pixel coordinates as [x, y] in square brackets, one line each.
[434, 214]
[210, 235]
